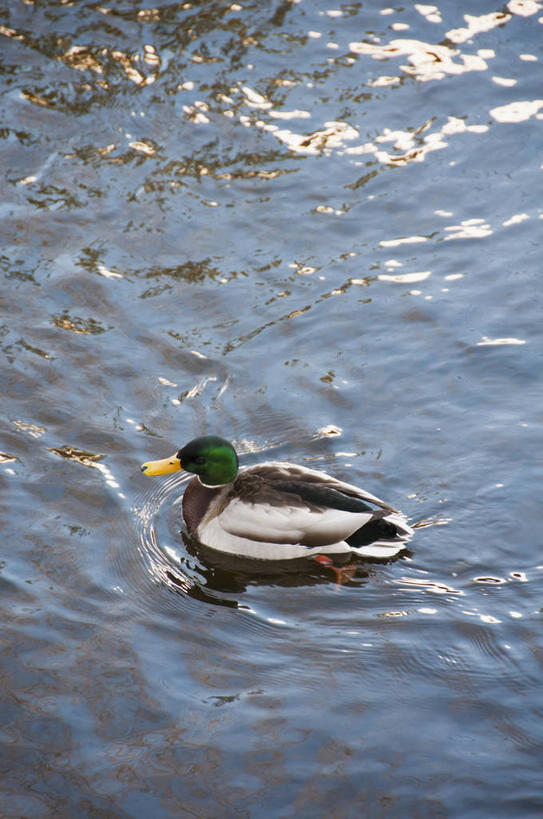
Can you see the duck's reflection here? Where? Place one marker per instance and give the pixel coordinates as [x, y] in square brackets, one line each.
[221, 579]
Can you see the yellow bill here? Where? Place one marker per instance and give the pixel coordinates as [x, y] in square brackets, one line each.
[163, 467]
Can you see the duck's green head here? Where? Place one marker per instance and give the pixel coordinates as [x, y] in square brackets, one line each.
[213, 459]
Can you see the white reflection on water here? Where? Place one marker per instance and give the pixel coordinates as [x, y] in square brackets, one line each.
[426, 61]
[516, 219]
[428, 585]
[429, 61]
[469, 229]
[430, 13]
[477, 25]
[518, 111]
[524, 8]
[405, 278]
[506, 82]
[106, 272]
[496, 342]
[405, 240]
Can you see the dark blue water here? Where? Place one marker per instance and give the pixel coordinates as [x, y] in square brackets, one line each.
[315, 231]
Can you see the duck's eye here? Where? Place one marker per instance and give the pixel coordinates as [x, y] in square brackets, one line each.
[199, 459]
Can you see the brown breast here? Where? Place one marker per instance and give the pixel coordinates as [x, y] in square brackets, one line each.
[196, 502]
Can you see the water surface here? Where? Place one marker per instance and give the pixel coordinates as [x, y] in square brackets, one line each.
[315, 231]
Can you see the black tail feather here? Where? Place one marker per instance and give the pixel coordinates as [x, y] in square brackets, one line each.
[374, 530]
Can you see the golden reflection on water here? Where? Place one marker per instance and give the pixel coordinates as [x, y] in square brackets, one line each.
[33, 430]
[79, 455]
[92, 459]
[77, 324]
[260, 108]
[81, 58]
[427, 62]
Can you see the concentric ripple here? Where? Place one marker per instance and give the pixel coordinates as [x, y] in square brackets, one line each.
[155, 552]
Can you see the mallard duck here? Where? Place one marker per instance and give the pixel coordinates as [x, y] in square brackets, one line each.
[278, 511]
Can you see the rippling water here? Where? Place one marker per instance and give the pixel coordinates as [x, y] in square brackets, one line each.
[316, 231]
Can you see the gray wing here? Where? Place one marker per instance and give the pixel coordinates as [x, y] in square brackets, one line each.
[270, 482]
